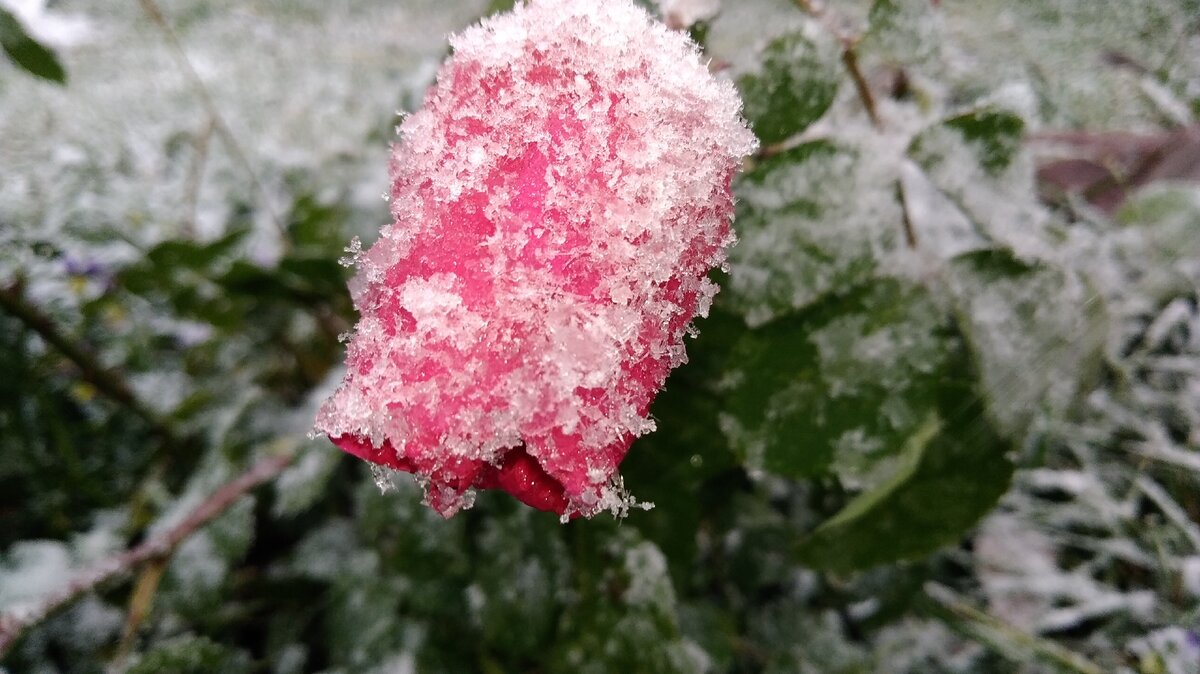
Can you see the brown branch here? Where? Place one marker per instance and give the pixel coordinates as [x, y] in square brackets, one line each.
[13, 624]
[910, 234]
[849, 59]
[108, 382]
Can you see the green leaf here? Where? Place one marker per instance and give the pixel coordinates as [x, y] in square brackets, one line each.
[191, 654]
[839, 387]
[995, 135]
[672, 465]
[1034, 332]
[953, 469]
[796, 84]
[800, 239]
[316, 227]
[904, 32]
[977, 161]
[27, 53]
[498, 6]
[522, 569]
[313, 276]
[194, 254]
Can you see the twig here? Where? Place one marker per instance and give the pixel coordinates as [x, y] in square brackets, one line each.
[195, 178]
[849, 59]
[139, 607]
[1006, 639]
[910, 234]
[107, 382]
[14, 624]
[152, 10]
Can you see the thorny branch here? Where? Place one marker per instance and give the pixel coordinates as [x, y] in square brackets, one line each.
[13, 624]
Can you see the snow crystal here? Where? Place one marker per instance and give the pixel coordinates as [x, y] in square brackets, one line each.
[558, 203]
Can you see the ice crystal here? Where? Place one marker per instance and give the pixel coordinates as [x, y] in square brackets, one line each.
[558, 203]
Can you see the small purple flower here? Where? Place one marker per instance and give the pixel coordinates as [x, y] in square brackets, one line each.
[85, 267]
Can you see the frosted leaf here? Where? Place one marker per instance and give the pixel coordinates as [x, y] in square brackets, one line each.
[794, 85]
[31, 570]
[975, 160]
[1033, 331]
[649, 582]
[558, 202]
[686, 13]
[303, 483]
[845, 383]
[799, 240]
[908, 32]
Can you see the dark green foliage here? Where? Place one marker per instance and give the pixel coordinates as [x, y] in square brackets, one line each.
[998, 135]
[796, 83]
[26, 53]
[851, 377]
[191, 655]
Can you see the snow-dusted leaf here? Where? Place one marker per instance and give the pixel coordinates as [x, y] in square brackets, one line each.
[199, 568]
[904, 32]
[976, 160]
[839, 387]
[995, 135]
[797, 244]
[1033, 332]
[514, 597]
[628, 620]
[191, 654]
[952, 471]
[304, 482]
[795, 85]
[30, 570]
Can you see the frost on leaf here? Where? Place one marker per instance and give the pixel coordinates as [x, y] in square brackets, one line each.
[687, 13]
[558, 203]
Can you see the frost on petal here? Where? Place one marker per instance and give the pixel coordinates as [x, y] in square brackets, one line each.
[558, 203]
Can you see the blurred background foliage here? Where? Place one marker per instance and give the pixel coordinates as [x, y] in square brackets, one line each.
[944, 416]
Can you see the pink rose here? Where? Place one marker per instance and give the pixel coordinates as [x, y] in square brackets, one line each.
[559, 201]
